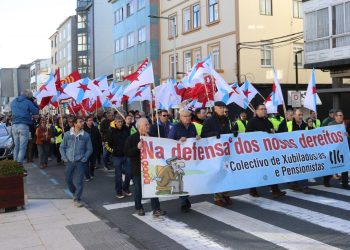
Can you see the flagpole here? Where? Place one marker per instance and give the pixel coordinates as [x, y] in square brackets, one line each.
[206, 92]
[261, 96]
[60, 109]
[157, 116]
[151, 105]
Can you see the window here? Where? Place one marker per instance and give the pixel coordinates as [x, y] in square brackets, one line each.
[83, 61]
[131, 69]
[81, 22]
[83, 70]
[172, 65]
[213, 11]
[119, 74]
[69, 51]
[118, 16]
[117, 46]
[171, 24]
[317, 30]
[131, 40]
[129, 8]
[297, 9]
[196, 16]
[142, 35]
[187, 19]
[52, 60]
[296, 48]
[55, 57]
[69, 31]
[51, 43]
[122, 43]
[266, 7]
[140, 4]
[82, 42]
[341, 25]
[69, 67]
[266, 55]
[187, 61]
[214, 50]
[64, 53]
[197, 57]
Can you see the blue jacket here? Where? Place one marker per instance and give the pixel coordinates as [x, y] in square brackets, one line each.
[163, 129]
[76, 148]
[179, 130]
[22, 110]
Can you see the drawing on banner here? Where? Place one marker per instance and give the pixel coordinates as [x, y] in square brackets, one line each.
[170, 177]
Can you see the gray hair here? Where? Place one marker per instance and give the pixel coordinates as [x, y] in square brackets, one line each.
[140, 121]
[185, 112]
[27, 92]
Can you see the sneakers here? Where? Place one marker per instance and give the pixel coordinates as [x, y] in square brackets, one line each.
[158, 213]
[220, 203]
[120, 196]
[78, 203]
[107, 169]
[228, 200]
[74, 197]
[278, 194]
[88, 179]
[140, 212]
[254, 193]
[25, 173]
[127, 193]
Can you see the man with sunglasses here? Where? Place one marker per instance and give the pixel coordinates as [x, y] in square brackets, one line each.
[164, 125]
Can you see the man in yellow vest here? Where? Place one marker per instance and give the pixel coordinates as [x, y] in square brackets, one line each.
[241, 123]
[58, 131]
[200, 115]
[276, 120]
[317, 122]
[283, 127]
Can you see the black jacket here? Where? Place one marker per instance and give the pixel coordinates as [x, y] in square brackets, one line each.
[259, 124]
[95, 138]
[283, 126]
[116, 140]
[163, 129]
[104, 129]
[215, 126]
[131, 150]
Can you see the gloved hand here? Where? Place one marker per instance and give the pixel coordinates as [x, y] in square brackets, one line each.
[218, 136]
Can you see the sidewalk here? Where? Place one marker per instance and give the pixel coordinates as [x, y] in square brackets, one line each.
[51, 221]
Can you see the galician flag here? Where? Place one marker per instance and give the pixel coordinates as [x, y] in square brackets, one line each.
[48, 89]
[311, 95]
[249, 92]
[82, 89]
[237, 96]
[166, 96]
[101, 83]
[144, 78]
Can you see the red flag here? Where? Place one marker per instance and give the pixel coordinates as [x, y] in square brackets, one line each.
[74, 107]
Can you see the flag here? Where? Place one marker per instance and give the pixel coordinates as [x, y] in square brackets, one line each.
[117, 100]
[311, 95]
[249, 92]
[101, 82]
[82, 89]
[143, 94]
[166, 96]
[134, 76]
[61, 84]
[223, 89]
[237, 96]
[47, 90]
[277, 96]
[270, 107]
[73, 107]
[144, 78]
[199, 69]
[91, 104]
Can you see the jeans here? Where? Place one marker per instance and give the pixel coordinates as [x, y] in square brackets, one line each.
[43, 150]
[138, 195]
[184, 200]
[90, 166]
[58, 154]
[120, 163]
[105, 157]
[20, 133]
[70, 169]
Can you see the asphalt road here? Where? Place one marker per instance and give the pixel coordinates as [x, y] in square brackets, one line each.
[320, 220]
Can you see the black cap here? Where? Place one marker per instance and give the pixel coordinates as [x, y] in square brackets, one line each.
[219, 104]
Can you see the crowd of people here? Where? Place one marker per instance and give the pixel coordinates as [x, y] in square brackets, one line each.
[111, 140]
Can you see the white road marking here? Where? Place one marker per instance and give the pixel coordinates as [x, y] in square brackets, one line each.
[321, 200]
[323, 220]
[131, 204]
[260, 229]
[180, 232]
[332, 190]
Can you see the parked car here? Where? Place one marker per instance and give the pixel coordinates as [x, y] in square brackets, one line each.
[6, 143]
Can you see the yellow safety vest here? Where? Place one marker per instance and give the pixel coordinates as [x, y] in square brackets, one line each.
[198, 127]
[275, 122]
[58, 139]
[317, 123]
[290, 126]
[133, 130]
[241, 127]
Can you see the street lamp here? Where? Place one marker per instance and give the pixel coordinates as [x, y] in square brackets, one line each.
[174, 37]
[296, 69]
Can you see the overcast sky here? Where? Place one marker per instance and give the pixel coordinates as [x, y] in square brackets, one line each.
[25, 28]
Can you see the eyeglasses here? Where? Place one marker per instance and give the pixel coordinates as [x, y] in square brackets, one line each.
[262, 109]
[165, 115]
[137, 117]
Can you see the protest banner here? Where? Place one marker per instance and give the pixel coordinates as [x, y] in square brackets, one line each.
[211, 165]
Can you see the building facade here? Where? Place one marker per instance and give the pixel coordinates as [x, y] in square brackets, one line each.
[94, 37]
[327, 44]
[135, 36]
[201, 28]
[39, 73]
[64, 47]
[12, 82]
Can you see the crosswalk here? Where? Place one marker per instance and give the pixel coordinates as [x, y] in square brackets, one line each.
[298, 221]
